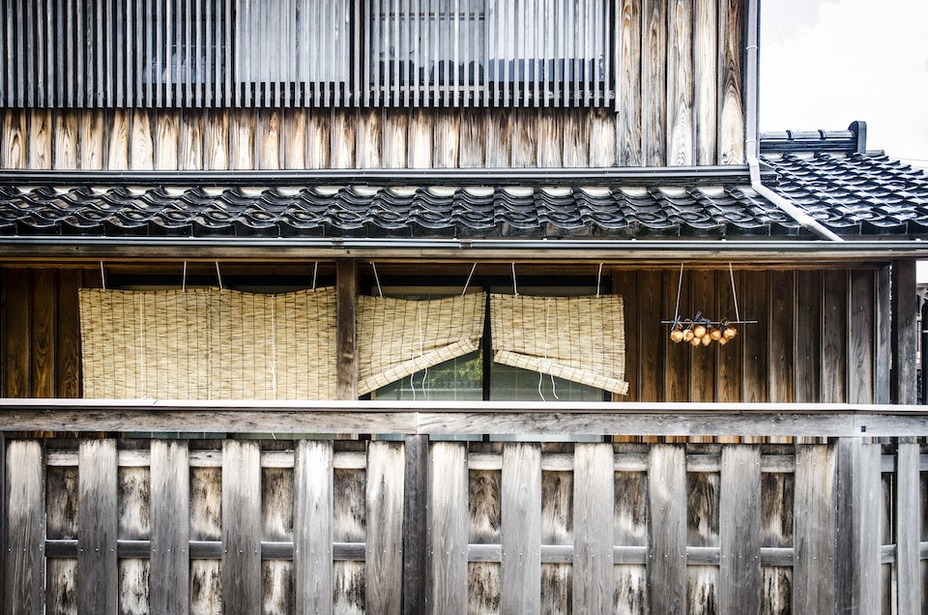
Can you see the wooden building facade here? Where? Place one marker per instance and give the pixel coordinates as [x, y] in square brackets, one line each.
[608, 148]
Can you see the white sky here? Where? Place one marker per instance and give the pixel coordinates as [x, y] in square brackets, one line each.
[826, 63]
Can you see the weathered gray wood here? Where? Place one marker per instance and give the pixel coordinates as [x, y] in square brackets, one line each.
[814, 534]
[4, 517]
[170, 527]
[629, 83]
[731, 104]
[680, 82]
[346, 336]
[384, 553]
[857, 555]
[653, 82]
[861, 331]
[594, 499]
[705, 71]
[312, 526]
[97, 528]
[667, 529]
[521, 528]
[883, 351]
[739, 527]
[807, 328]
[834, 336]
[904, 333]
[447, 528]
[241, 527]
[909, 511]
[24, 504]
[415, 517]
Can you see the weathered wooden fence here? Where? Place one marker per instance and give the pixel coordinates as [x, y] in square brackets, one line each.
[123, 524]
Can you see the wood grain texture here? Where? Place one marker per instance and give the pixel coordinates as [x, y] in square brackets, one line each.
[24, 525]
[813, 579]
[834, 336]
[170, 527]
[97, 587]
[739, 527]
[16, 353]
[705, 79]
[521, 529]
[680, 78]
[293, 128]
[781, 320]
[117, 147]
[602, 138]
[447, 139]
[312, 526]
[650, 285]
[883, 332]
[754, 298]
[524, 139]
[629, 148]
[216, 139]
[241, 139]
[91, 131]
[730, 367]
[594, 502]
[419, 140]
[861, 331]
[43, 344]
[14, 154]
[369, 135]
[909, 514]
[41, 139]
[268, 139]
[65, 139]
[241, 527]
[625, 284]
[667, 529]
[731, 103]
[904, 333]
[190, 148]
[415, 542]
[318, 139]
[384, 550]
[498, 134]
[654, 82]
[677, 357]
[703, 359]
[448, 528]
[346, 335]
[576, 128]
[808, 336]
[550, 149]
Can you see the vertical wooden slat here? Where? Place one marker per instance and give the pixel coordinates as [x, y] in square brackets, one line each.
[447, 528]
[883, 350]
[653, 82]
[97, 588]
[731, 107]
[807, 336]
[294, 136]
[739, 527]
[43, 329]
[346, 273]
[268, 137]
[680, 82]
[415, 542]
[65, 143]
[169, 576]
[142, 146]
[216, 139]
[677, 357]
[15, 143]
[594, 500]
[781, 321]
[814, 504]
[167, 129]
[342, 139]
[117, 150]
[625, 284]
[705, 71]
[312, 527]
[67, 355]
[40, 139]
[241, 527]
[242, 138]
[16, 315]
[92, 143]
[24, 522]
[834, 336]
[521, 529]
[650, 284]
[384, 549]
[909, 511]
[903, 376]
[576, 128]
[602, 138]
[369, 147]
[861, 330]
[667, 529]
[754, 299]
[703, 358]
[190, 147]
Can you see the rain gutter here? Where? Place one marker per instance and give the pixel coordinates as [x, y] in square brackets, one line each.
[751, 143]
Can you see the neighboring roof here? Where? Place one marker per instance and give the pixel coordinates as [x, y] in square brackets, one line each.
[827, 175]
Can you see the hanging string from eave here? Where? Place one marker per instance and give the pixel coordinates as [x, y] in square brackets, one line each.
[102, 275]
[377, 280]
[469, 277]
[734, 294]
[676, 311]
[183, 285]
[219, 276]
[315, 272]
[599, 279]
[515, 287]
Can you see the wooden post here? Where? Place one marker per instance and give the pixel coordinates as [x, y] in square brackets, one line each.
[98, 576]
[23, 584]
[739, 528]
[814, 535]
[857, 542]
[170, 527]
[904, 333]
[346, 324]
[241, 527]
[415, 518]
[667, 529]
[908, 520]
[447, 528]
[384, 549]
[521, 529]
[312, 526]
[594, 518]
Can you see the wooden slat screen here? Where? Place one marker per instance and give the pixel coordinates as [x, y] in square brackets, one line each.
[306, 53]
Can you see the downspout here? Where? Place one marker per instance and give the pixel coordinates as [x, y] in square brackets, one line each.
[751, 143]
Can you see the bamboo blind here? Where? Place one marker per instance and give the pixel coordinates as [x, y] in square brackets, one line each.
[208, 344]
[398, 337]
[581, 339]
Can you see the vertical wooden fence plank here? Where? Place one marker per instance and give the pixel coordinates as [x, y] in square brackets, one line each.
[654, 82]
[117, 147]
[347, 341]
[447, 528]
[40, 139]
[908, 532]
[667, 529]
[814, 533]
[631, 529]
[65, 147]
[384, 550]
[415, 518]
[142, 140]
[92, 142]
[629, 87]
[702, 530]
[241, 527]
[739, 528]
[169, 572]
[97, 585]
[857, 569]
[521, 529]
[312, 527]
[24, 575]
[594, 500]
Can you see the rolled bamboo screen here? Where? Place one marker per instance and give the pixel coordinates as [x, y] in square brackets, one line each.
[208, 344]
[397, 337]
[581, 339]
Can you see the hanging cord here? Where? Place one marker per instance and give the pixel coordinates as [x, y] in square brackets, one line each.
[676, 312]
[515, 288]
[315, 271]
[734, 294]
[377, 279]
[467, 283]
[425, 372]
[541, 374]
[183, 285]
[102, 275]
[599, 279]
[219, 275]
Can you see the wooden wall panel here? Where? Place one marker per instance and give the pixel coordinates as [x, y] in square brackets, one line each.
[41, 133]
[834, 336]
[861, 332]
[780, 332]
[117, 147]
[15, 140]
[17, 316]
[731, 105]
[65, 140]
[92, 134]
[705, 76]
[629, 150]
[43, 330]
[653, 82]
[754, 303]
[680, 83]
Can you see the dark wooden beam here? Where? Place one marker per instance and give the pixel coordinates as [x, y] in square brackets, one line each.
[904, 332]
[415, 517]
[346, 323]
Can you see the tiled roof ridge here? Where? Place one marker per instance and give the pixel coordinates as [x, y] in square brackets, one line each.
[850, 141]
